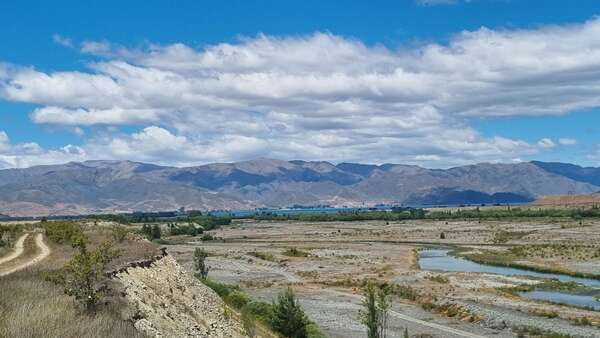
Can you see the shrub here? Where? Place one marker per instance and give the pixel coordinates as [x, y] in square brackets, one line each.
[63, 232]
[119, 233]
[208, 237]
[293, 252]
[248, 322]
[237, 299]
[82, 276]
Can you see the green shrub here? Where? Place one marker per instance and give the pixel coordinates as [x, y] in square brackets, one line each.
[237, 299]
[119, 233]
[293, 252]
[63, 232]
[83, 276]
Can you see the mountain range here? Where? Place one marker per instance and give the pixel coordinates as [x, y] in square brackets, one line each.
[125, 186]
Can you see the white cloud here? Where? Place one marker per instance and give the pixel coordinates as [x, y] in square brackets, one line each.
[546, 143]
[567, 141]
[319, 96]
[27, 154]
[62, 40]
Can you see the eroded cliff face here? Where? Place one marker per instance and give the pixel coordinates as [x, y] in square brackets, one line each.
[167, 301]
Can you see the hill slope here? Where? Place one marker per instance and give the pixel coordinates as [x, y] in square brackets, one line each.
[124, 186]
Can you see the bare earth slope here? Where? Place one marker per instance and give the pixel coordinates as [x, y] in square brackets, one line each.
[171, 303]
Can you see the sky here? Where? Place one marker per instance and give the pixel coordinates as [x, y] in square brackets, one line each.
[436, 83]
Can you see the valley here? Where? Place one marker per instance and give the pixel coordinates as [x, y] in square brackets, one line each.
[329, 262]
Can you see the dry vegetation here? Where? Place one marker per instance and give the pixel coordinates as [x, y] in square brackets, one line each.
[32, 307]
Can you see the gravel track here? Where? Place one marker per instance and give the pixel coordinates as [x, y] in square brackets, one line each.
[44, 252]
[19, 248]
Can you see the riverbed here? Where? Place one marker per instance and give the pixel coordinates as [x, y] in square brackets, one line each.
[440, 259]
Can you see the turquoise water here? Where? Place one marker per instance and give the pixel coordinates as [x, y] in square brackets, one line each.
[440, 260]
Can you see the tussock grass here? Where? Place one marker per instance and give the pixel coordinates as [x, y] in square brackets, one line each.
[31, 307]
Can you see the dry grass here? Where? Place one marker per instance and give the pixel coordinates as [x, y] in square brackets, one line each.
[32, 307]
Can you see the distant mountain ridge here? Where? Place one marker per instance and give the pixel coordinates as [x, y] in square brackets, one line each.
[125, 186]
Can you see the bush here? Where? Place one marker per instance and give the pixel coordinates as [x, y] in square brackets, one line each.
[151, 232]
[63, 232]
[237, 299]
[119, 233]
[208, 237]
[190, 230]
[293, 252]
[248, 322]
[82, 277]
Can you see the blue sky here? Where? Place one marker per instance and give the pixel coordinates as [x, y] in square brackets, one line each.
[367, 100]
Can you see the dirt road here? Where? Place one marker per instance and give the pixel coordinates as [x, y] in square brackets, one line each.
[44, 251]
[19, 248]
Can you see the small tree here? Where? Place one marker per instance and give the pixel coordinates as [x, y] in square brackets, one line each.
[383, 306]
[156, 231]
[200, 262]
[288, 317]
[82, 276]
[369, 315]
[375, 313]
[119, 233]
[406, 333]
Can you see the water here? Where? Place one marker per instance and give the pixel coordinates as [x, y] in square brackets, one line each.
[439, 260]
[563, 298]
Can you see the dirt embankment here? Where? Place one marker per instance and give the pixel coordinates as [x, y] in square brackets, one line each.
[167, 301]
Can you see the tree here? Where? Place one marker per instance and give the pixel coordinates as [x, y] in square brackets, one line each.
[82, 276]
[383, 306]
[200, 262]
[288, 317]
[375, 311]
[406, 333]
[369, 315]
[156, 231]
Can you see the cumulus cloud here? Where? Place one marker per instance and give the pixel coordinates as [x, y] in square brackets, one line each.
[27, 154]
[319, 96]
[567, 141]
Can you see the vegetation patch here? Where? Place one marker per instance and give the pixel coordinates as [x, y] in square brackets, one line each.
[294, 252]
[263, 255]
[283, 316]
[439, 279]
[534, 332]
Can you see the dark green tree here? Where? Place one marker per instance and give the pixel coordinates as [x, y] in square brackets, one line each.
[375, 312]
[200, 262]
[156, 232]
[288, 317]
[369, 316]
